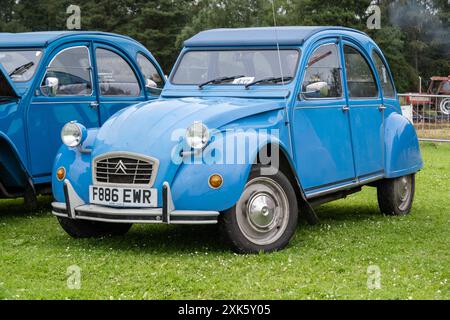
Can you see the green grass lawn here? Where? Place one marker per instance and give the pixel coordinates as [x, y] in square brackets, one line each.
[328, 261]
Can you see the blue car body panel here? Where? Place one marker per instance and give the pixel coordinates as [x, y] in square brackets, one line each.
[328, 148]
[30, 125]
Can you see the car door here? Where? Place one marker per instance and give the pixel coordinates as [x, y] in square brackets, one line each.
[366, 112]
[118, 80]
[74, 99]
[320, 125]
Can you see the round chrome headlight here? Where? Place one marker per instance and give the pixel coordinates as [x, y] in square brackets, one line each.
[73, 134]
[197, 136]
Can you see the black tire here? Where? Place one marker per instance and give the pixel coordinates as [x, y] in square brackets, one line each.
[234, 220]
[396, 196]
[92, 229]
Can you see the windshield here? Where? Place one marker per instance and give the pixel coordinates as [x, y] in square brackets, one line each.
[235, 66]
[20, 65]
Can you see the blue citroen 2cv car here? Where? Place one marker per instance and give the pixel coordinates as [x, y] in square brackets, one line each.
[254, 128]
[50, 78]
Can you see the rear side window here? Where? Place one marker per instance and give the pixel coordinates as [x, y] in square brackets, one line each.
[72, 68]
[383, 75]
[115, 75]
[324, 68]
[360, 79]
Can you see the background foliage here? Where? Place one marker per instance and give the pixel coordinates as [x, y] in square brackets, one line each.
[414, 34]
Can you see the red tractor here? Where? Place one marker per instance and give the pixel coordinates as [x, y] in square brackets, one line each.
[438, 86]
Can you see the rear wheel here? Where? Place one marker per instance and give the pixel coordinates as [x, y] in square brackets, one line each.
[92, 229]
[395, 196]
[265, 217]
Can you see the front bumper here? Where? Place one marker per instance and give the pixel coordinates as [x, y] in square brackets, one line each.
[76, 208]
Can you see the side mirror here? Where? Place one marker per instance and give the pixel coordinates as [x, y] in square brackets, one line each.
[152, 88]
[155, 92]
[149, 83]
[316, 90]
[51, 86]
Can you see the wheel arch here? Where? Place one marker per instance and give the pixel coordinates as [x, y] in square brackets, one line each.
[13, 174]
[286, 165]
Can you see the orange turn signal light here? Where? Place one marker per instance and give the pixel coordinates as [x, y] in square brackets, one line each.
[215, 181]
[61, 173]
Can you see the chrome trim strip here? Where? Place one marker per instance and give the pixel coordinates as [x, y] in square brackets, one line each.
[320, 107]
[92, 208]
[358, 183]
[62, 102]
[186, 213]
[61, 215]
[148, 221]
[119, 221]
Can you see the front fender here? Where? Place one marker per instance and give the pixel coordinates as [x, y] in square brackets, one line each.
[403, 155]
[78, 169]
[190, 187]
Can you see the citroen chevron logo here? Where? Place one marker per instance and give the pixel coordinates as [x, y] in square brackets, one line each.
[120, 167]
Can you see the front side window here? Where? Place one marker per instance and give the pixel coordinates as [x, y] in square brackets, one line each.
[241, 66]
[383, 75]
[360, 79]
[20, 65]
[115, 75]
[152, 77]
[72, 69]
[323, 74]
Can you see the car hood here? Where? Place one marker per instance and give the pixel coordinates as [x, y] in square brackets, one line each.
[156, 129]
[149, 128]
[7, 89]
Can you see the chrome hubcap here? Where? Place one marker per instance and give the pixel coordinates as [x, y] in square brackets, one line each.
[262, 212]
[403, 190]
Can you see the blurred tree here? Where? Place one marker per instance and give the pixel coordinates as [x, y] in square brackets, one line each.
[211, 14]
[414, 34]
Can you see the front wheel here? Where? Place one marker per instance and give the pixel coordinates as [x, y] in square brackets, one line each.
[395, 196]
[265, 217]
[92, 229]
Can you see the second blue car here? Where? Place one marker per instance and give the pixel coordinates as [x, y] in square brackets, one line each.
[50, 78]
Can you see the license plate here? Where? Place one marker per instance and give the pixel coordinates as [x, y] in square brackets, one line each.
[123, 196]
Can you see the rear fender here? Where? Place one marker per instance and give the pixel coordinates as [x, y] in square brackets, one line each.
[403, 155]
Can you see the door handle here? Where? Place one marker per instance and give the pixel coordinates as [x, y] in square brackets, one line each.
[94, 105]
[345, 108]
[382, 107]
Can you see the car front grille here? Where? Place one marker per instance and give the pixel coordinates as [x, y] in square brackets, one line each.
[120, 169]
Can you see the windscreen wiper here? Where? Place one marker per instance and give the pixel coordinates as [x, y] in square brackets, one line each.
[22, 69]
[269, 80]
[219, 80]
